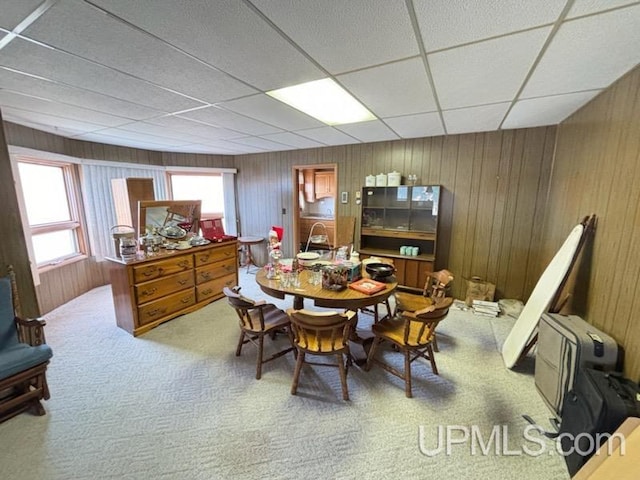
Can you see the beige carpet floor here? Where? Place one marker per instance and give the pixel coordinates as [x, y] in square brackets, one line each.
[176, 403]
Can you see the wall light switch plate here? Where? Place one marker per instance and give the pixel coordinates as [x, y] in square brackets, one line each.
[344, 197]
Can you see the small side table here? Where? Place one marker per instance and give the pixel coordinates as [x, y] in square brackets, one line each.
[245, 244]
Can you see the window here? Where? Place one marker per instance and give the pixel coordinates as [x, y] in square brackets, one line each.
[51, 204]
[207, 188]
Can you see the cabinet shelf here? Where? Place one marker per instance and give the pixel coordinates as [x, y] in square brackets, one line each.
[396, 254]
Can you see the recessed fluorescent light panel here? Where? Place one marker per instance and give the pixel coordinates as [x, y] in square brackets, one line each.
[325, 100]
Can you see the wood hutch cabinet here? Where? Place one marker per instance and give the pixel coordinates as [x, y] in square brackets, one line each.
[403, 216]
[149, 292]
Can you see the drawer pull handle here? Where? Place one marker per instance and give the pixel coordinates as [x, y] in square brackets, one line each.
[204, 258]
[150, 271]
[183, 281]
[156, 311]
[186, 299]
[151, 291]
[229, 268]
[207, 291]
[206, 275]
[183, 263]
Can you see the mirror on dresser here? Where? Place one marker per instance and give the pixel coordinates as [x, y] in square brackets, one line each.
[166, 214]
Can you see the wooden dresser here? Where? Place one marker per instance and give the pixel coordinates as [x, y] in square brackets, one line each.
[149, 292]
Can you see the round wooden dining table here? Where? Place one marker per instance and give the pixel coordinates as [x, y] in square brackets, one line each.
[347, 299]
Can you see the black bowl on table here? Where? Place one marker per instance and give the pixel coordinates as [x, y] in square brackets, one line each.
[379, 271]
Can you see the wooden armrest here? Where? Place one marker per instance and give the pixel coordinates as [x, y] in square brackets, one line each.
[260, 303]
[31, 331]
[428, 309]
[30, 322]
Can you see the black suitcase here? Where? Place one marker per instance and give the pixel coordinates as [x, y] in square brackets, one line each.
[598, 404]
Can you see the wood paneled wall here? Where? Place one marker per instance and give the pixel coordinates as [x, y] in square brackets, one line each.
[597, 170]
[492, 211]
[13, 249]
[59, 285]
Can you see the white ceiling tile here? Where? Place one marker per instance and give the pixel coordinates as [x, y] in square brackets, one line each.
[586, 7]
[49, 90]
[15, 12]
[588, 53]
[66, 127]
[60, 67]
[259, 142]
[203, 149]
[420, 125]
[117, 140]
[76, 27]
[217, 32]
[397, 88]
[328, 136]
[130, 134]
[269, 110]
[233, 121]
[536, 112]
[345, 35]
[293, 140]
[485, 118]
[202, 130]
[447, 23]
[162, 132]
[373, 131]
[24, 102]
[233, 147]
[486, 72]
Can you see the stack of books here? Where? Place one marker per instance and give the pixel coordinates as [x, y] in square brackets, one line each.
[485, 308]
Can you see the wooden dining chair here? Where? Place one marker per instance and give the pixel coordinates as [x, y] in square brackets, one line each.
[257, 320]
[435, 286]
[412, 333]
[322, 334]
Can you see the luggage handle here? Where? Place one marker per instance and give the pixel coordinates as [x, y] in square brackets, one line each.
[598, 344]
[544, 432]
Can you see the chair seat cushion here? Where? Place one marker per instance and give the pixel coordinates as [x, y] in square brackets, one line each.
[393, 330]
[20, 357]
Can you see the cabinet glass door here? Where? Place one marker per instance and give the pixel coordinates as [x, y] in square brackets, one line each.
[424, 208]
[397, 203]
[373, 207]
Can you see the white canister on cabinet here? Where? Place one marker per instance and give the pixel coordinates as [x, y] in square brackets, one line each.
[381, 180]
[393, 179]
[370, 181]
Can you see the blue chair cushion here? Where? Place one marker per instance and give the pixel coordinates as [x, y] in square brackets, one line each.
[8, 332]
[20, 357]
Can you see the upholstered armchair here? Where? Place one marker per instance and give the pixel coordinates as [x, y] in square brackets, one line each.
[24, 356]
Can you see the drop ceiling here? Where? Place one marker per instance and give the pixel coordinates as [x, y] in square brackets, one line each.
[191, 76]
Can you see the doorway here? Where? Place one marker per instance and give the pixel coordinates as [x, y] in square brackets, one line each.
[315, 202]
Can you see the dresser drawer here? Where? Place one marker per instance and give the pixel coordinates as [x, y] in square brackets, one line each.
[157, 309]
[160, 268]
[214, 287]
[145, 292]
[228, 252]
[216, 270]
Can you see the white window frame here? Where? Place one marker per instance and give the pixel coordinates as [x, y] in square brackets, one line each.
[76, 224]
